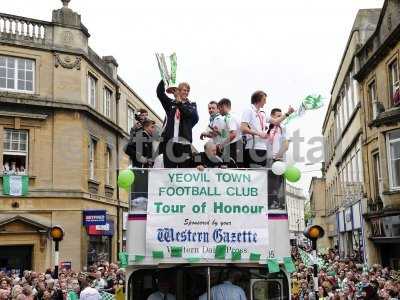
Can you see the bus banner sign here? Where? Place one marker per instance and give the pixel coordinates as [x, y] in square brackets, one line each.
[198, 210]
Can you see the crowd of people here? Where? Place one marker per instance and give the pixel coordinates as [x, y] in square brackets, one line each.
[102, 281]
[255, 139]
[344, 279]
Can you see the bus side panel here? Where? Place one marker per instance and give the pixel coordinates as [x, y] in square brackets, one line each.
[278, 227]
[136, 238]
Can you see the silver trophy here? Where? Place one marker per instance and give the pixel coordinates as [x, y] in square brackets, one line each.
[168, 76]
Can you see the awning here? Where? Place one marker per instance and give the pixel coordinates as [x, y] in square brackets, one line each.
[386, 240]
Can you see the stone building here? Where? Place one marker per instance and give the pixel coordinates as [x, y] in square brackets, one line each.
[378, 76]
[318, 211]
[295, 200]
[343, 134]
[65, 116]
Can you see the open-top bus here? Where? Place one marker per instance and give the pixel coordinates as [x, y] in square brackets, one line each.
[193, 271]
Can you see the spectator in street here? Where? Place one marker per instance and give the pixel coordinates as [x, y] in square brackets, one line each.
[89, 293]
[99, 283]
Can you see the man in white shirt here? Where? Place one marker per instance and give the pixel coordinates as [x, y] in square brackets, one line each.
[214, 124]
[231, 145]
[254, 126]
[99, 283]
[227, 290]
[278, 142]
[164, 286]
[89, 293]
[277, 147]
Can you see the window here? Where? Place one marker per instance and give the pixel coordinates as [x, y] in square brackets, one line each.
[16, 74]
[107, 102]
[350, 99]
[393, 79]
[15, 155]
[377, 175]
[372, 100]
[92, 82]
[108, 167]
[131, 118]
[394, 159]
[92, 158]
[354, 164]
[346, 107]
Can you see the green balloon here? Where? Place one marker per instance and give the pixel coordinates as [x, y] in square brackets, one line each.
[126, 179]
[292, 174]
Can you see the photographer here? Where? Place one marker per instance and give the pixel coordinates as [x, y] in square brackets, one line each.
[140, 117]
[140, 146]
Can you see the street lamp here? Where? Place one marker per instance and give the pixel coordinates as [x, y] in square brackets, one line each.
[57, 234]
[313, 233]
[298, 232]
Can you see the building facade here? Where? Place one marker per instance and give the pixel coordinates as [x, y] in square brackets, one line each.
[318, 212]
[295, 201]
[378, 77]
[65, 116]
[343, 134]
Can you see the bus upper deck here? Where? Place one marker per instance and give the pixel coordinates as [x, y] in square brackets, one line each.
[197, 227]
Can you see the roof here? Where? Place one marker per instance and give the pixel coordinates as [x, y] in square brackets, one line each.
[137, 96]
[366, 21]
[379, 22]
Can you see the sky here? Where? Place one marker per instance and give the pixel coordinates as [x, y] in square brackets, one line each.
[225, 49]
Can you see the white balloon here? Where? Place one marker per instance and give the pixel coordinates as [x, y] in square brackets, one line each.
[279, 167]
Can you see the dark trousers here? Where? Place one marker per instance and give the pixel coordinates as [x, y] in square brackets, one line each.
[177, 155]
[255, 158]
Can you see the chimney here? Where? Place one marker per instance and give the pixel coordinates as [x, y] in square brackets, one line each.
[112, 64]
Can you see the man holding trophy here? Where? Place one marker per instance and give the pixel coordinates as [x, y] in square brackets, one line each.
[181, 117]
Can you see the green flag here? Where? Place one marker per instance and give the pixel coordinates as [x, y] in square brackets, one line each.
[158, 254]
[123, 259]
[273, 265]
[15, 185]
[136, 258]
[236, 255]
[72, 296]
[255, 256]
[312, 102]
[176, 251]
[289, 265]
[305, 257]
[193, 259]
[220, 251]
[174, 66]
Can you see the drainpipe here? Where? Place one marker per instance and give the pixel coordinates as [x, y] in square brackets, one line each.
[119, 244]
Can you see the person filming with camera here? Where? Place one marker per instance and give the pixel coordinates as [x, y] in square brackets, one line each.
[140, 116]
[140, 146]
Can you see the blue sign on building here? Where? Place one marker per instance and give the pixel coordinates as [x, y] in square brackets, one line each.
[94, 217]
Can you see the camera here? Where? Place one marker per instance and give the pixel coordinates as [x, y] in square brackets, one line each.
[137, 116]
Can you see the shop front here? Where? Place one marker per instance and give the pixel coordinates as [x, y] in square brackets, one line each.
[358, 235]
[332, 231]
[100, 231]
[386, 237]
[100, 242]
[23, 244]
